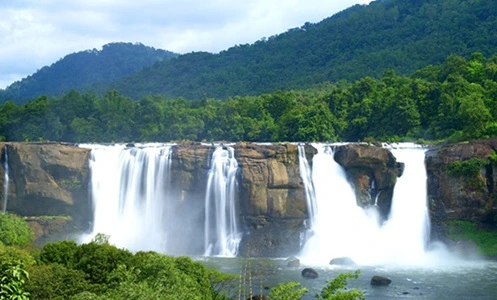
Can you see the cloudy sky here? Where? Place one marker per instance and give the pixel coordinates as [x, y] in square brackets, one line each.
[37, 33]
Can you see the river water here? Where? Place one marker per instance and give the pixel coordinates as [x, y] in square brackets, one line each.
[464, 280]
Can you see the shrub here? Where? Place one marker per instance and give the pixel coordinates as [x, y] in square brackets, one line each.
[55, 281]
[336, 289]
[62, 252]
[287, 291]
[14, 230]
[12, 283]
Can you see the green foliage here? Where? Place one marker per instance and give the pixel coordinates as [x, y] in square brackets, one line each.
[62, 252]
[83, 69]
[287, 291]
[336, 289]
[97, 261]
[55, 281]
[14, 230]
[12, 283]
[443, 102]
[470, 167]
[486, 240]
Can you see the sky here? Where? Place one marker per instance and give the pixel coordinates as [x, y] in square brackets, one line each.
[34, 33]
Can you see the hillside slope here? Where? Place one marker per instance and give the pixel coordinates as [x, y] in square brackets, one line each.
[82, 69]
[403, 35]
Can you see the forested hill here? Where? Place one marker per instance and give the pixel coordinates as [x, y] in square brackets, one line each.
[403, 35]
[82, 69]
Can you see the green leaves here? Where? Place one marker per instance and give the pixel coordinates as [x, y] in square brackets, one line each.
[14, 230]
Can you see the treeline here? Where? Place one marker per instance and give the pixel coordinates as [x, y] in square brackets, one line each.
[456, 100]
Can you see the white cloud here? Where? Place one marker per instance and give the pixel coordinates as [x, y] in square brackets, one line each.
[38, 33]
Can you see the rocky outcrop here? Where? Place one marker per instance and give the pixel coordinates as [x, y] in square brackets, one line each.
[272, 199]
[48, 179]
[462, 182]
[373, 171]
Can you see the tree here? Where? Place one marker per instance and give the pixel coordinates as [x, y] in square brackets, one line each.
[14, 230]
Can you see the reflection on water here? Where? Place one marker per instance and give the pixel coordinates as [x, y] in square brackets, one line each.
[469, 280]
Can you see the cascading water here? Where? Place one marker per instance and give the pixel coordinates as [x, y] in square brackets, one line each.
[222, 236]
[6, 180]
[129, 193]
[342, 229]
[339, 226]
[407, 230]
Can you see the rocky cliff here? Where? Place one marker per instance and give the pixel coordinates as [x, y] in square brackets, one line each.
[49, 183]
[462, 182]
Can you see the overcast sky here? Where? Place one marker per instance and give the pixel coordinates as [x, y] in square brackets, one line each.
[37, 33]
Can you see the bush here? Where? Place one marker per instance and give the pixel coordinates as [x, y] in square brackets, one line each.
[14, 230]
[336, 289]
[62, 252]
[55, 281]
[99, 260]
[12, 282]
[287, 291]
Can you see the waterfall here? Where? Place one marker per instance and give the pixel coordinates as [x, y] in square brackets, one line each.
[408, 223]
[222, 235]
[6, 180]
[130, 195]
[306, 175]
[340, 228]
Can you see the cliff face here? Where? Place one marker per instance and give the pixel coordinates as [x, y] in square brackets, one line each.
[47, 180]
[53, 180]
[455, 192]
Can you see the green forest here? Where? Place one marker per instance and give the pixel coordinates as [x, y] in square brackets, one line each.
[363, 40]
[456, 100]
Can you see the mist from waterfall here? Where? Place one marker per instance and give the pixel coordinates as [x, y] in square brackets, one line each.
[6, 180]
[340, 228]
[222, 235]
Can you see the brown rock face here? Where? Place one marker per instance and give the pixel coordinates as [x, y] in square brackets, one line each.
[48, 180]
[373, 171]
[272, 199]
[462, 196]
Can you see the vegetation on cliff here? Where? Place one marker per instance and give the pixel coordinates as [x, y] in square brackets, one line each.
[454, 100]
[485, 239]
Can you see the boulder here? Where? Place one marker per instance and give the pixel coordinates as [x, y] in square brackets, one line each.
[309, 273]
[378, 280]
[342, 261]
[293, 262]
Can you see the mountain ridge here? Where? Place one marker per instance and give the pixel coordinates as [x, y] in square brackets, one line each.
[363, 40]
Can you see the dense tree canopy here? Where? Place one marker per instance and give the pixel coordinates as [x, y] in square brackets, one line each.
[455, 100]
[364, 40]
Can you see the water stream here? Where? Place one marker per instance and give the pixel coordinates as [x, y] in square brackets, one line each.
[222, 235]
[6, 180]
